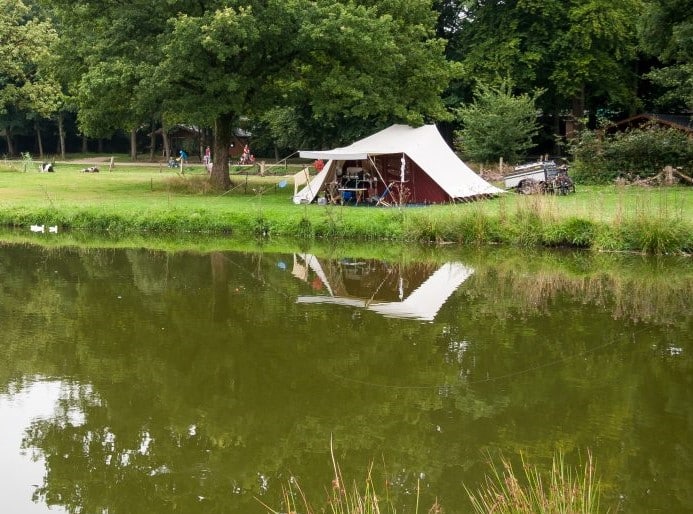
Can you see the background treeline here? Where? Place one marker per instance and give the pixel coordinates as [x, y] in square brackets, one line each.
[320, 73]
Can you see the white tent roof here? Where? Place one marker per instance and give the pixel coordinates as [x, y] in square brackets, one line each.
[423, 145]
[422, 304]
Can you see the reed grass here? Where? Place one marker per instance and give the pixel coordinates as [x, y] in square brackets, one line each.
[527, 491]
[344, 498]
[563, 490]
[341, 499]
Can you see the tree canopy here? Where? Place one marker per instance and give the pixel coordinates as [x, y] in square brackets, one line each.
[666, 32]
[325, 72]
[27, 87]
[337, 66]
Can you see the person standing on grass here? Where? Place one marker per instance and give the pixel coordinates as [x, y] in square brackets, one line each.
[245, 158]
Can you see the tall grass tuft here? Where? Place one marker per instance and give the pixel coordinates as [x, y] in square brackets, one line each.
[304, 229]
[570, 232]
[343, 499]
[564, 491]
[190, 185]
[657, 236]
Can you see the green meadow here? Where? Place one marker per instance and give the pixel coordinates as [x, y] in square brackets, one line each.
[145, 198]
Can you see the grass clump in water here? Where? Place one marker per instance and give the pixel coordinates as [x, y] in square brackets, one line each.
[564, 491]
[344, 499]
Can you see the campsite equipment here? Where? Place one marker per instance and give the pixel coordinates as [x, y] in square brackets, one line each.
[396, 166]
[540, 177]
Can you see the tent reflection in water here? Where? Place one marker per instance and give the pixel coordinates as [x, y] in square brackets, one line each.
[400, 165]
[415, 292]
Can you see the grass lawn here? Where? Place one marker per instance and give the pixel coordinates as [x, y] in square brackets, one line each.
[141, 197]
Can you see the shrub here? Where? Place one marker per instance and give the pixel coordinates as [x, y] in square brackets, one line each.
[497, 124]
[638, 153]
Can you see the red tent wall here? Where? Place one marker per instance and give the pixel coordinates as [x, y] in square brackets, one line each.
[419, 187]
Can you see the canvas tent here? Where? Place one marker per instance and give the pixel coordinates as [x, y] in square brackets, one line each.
[408, 165]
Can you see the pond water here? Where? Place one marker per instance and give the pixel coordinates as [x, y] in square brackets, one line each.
[148, 381]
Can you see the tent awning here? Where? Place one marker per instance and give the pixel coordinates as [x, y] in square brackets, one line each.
[333, 154]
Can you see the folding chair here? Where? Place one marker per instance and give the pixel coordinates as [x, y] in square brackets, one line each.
[333, 193]
[381, 198]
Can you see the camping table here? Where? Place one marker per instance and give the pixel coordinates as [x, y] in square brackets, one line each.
[358, 190]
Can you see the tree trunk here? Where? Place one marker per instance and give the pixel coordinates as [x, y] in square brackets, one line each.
[152, 142]
[165, 141]
[85, 147]
[61, 134]
[219, 177]
[133, 144]
[575, 123]
[10, 144]
[556, 124]
[39, 139]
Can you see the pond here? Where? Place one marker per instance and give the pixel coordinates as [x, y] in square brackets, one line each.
[137, 380]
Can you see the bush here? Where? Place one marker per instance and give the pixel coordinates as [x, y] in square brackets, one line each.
[634, 154]
[497, 124]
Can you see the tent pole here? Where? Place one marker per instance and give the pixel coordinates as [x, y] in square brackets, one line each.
[387, 187]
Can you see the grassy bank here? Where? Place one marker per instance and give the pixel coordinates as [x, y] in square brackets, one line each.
[153, 199]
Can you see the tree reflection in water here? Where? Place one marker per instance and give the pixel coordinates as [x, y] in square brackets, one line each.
[202, 381]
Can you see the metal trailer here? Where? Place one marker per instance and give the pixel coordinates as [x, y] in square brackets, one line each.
[540, 177]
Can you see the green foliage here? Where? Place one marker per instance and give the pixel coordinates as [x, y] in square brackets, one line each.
[666, 31]
[677, 81]
[26, 43]
[497, 124]
[307, 59]
[105, 57]
[581, 53]
[594, 50]
[280, 127]
[642, 153]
